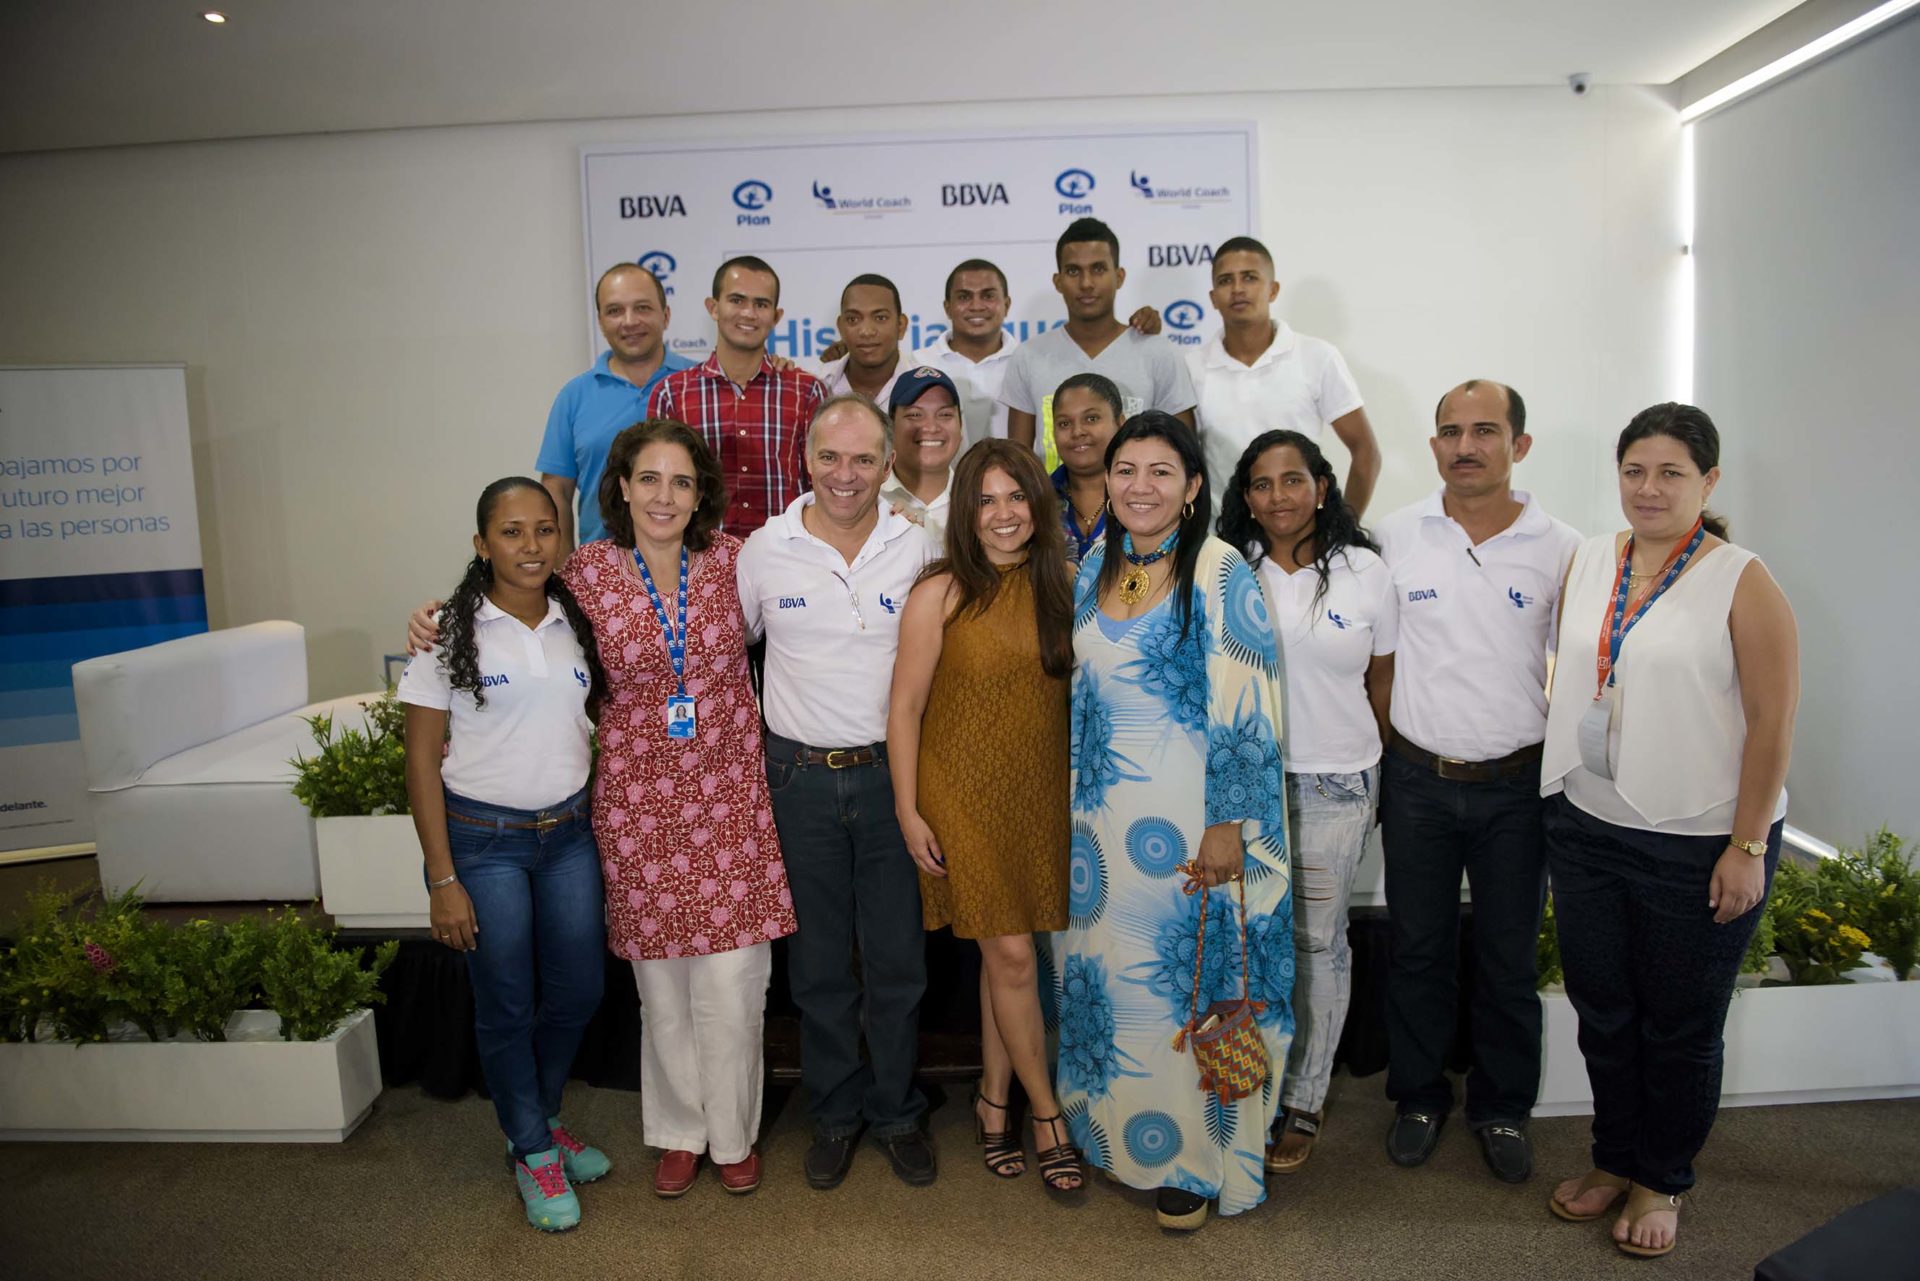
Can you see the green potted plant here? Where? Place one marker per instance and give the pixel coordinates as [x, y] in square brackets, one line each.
[355, 786]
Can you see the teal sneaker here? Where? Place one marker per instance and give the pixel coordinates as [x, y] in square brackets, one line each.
[584, 1163]
[551, 1204]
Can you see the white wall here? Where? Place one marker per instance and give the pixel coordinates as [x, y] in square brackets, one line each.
[1809, 321]
[375, 323]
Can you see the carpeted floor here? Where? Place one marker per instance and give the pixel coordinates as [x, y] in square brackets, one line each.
[420, 1191]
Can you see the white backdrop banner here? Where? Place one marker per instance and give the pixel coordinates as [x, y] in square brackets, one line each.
[910, 207]
[99, 552]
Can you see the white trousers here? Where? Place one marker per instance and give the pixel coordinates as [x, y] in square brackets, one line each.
[702, 1019]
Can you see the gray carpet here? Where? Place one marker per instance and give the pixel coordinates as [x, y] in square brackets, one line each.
[420, 1191]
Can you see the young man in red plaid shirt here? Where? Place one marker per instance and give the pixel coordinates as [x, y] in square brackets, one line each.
[753, 413]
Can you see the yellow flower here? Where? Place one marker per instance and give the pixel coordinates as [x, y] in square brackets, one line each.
[1855, 937]
[1818, 915]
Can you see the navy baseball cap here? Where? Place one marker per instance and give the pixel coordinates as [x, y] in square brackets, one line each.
[914, 383]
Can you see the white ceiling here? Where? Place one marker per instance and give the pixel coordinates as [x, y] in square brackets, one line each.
[88, 73]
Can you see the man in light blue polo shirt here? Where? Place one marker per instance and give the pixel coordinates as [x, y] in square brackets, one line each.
[593, 408]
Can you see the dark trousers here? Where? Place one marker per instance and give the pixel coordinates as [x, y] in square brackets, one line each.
[853, 882]
[1650, 975]
[1432, 830]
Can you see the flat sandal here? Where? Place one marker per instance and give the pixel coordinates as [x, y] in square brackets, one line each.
[1588, 1182]
[1640, 1203]
[1297, 1123]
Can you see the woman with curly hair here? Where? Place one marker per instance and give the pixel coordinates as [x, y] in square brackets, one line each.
[1334, 618]
[977, 746]
[1176, 768]
[512, 875]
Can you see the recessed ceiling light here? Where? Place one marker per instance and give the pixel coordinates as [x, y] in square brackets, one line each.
[214, 16]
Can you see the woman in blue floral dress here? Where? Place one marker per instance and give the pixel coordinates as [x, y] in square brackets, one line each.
[1176, 760]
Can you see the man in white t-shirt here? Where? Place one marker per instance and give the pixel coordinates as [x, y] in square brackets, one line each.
[824, 582]
[926, 436]
[1148, 370]
[1476, 569]
[868, 355]
[1257, 374]
[974, 350]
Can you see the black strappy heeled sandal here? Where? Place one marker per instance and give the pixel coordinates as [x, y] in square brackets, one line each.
[1003, 1155]
[1060, 1169]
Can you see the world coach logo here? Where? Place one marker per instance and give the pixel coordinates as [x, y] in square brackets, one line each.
[661, 264]
[974, 193]
[1074, 186]
[1192, 194]
[752, 196]
[652, 207]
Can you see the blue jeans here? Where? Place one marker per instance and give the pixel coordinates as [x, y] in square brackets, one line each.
[853, 881]
[1432, 829]
[537, 967]
[1329, 816]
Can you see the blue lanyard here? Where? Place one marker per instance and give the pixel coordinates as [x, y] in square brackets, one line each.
[676, 646]
[1616, 633]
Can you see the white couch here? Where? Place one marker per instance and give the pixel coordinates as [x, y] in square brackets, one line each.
[187, 746]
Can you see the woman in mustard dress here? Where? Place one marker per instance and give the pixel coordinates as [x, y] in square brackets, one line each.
[978, 744]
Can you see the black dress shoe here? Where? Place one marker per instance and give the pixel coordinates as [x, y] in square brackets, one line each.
[828, 1160]
[1414, 1136]
[1508, 1153]
[912, 1158]
[1179, 1210]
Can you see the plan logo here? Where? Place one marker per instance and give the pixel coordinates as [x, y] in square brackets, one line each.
[1186, 194]
[1519, 598]
[1074, 186]
[1422, 593]
[973, 193]
[866, 206]
[1179, 255]
[1182, 317]
[752, 197]
[652, 207]
[889, 604]
[662, 266]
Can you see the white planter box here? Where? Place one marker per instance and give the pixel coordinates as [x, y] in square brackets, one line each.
[251, 1088]
[1784, 1045]
[370, 876]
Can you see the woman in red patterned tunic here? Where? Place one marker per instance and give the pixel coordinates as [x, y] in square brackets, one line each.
[696, 890]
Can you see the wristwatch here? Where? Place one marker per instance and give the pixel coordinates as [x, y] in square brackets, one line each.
[1756, 848]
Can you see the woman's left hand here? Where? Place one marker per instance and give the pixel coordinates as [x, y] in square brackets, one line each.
[1739, 882]
[1222, 855]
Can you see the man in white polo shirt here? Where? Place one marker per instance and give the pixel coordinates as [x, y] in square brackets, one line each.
[926, 436]
[1257, 374]
[1476, 571]
[824, 582]
[868, 355]
[975, 349]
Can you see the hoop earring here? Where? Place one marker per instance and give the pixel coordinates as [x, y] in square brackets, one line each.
[1186, 513]
[1107, 503]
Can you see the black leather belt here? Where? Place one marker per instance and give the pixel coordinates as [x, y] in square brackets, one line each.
[832, 757]
[545, 823]
[1459, 771]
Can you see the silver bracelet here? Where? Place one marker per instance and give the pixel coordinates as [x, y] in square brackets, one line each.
[444, 881]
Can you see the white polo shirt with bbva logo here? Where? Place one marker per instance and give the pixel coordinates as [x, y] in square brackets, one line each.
[1476, 626]
[832, 628]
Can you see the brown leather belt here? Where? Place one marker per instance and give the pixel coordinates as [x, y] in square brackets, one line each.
[833, 758]
[1459, 771]
[546, 824]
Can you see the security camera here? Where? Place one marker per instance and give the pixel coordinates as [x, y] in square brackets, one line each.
[1578, 82]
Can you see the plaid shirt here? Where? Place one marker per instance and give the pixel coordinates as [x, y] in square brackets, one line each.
[759, 432]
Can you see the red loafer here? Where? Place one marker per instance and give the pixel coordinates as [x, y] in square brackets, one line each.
[675, 1173]
[741, 1177]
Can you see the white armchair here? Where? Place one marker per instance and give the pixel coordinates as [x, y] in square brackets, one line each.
[187, 745]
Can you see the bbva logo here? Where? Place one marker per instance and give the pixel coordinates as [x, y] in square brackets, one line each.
[1178, 255]
[1074, 184]
[659, 262]
[1184, 314]
[652, 207]
[974, 193]
[752, 194]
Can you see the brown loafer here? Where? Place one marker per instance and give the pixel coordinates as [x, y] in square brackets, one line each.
[674, 1175]
[741, 1177]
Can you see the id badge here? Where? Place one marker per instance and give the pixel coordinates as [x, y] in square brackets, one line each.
[1595, 723]
[680, 717]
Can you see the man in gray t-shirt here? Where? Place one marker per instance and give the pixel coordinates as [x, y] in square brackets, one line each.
[1149, 371]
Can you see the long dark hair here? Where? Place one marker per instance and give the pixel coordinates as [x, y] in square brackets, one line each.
[1334, 527]
[460, 653]
[1689, 425]
[976, 577]
[1157, 425]
[617, 514]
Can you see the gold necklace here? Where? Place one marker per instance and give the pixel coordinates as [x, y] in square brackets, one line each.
[1134, 583]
